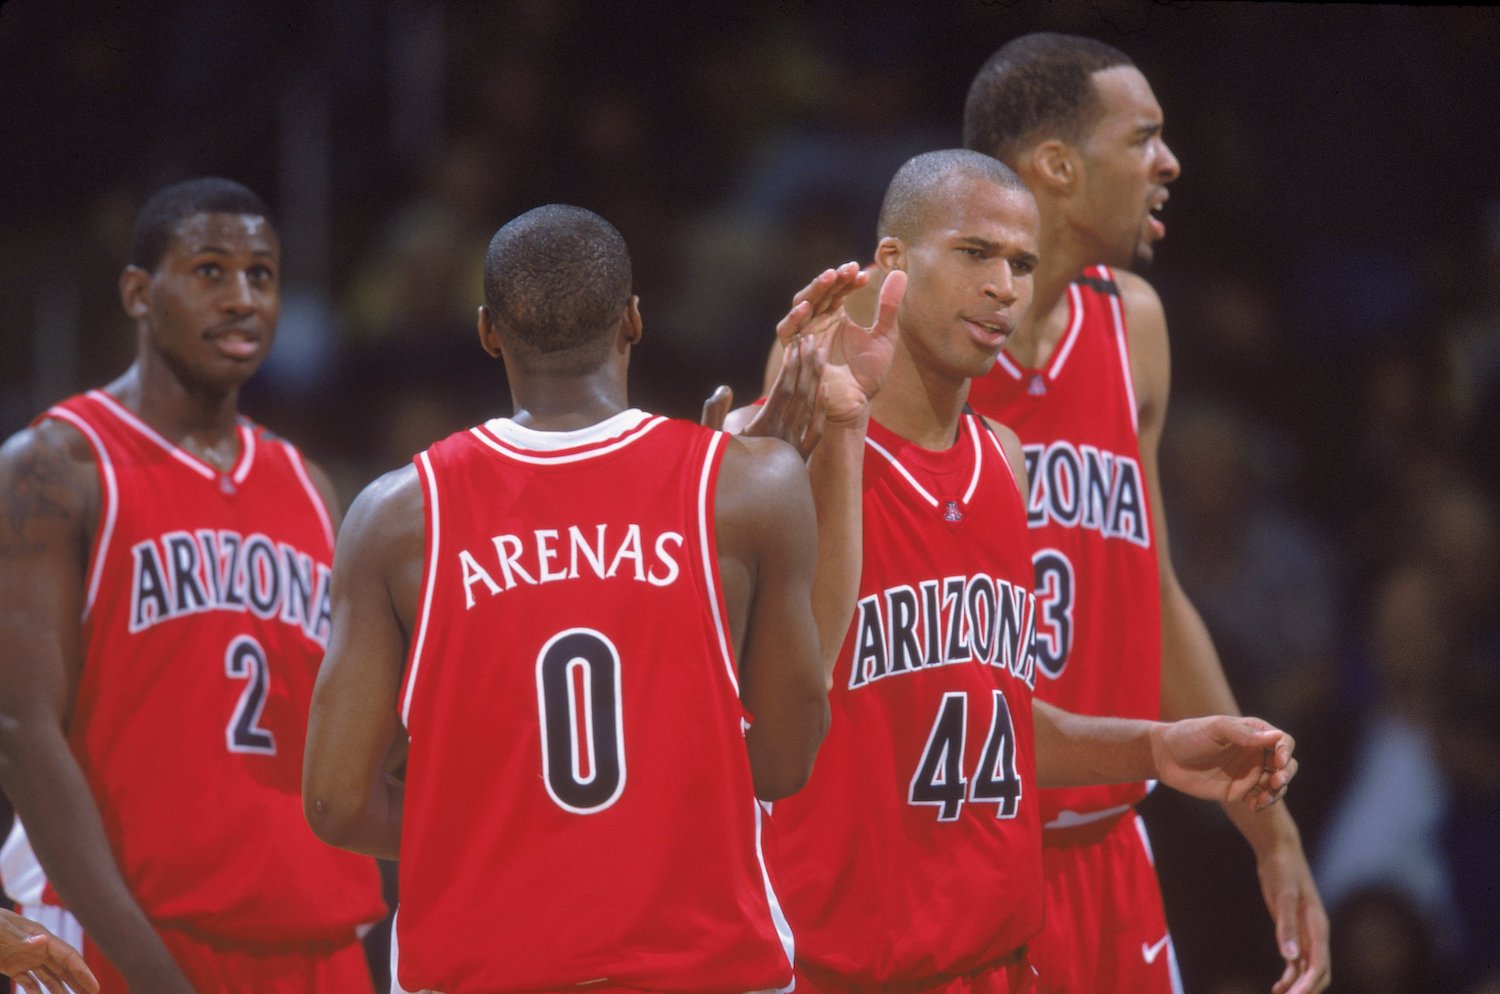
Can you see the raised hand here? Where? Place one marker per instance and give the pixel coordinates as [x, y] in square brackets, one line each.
[1223, 758]
[858, 357]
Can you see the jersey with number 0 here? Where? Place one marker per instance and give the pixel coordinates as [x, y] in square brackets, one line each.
[1099, 602]
[914, 852]
[206, 614]
[579, 807]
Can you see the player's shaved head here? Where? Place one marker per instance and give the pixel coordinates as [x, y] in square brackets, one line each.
[936, 179]
[556, 283]
[157, 223]
[1037, 87]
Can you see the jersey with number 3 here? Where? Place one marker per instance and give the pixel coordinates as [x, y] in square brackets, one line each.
[206, 614]
[914, 852]
[579, 807]
[1098, 592]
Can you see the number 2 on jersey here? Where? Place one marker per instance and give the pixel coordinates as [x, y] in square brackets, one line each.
[583, 736]
[246, 660]
[939, 780]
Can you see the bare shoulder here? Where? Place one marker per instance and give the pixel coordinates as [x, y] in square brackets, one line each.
[323, 483]
[1014, 454]
[1150, 352]
[761, 481]
[47, 473]
[389, 504]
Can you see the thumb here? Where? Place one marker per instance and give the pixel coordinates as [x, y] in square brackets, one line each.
[891, 293]
[1286, 925]
[716, 408]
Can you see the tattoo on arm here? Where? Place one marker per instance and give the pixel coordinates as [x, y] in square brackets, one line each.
[42, 487]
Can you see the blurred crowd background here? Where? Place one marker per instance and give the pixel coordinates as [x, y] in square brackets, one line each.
[1331, 277]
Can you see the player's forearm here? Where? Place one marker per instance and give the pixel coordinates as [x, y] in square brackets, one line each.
[835, 470]
[1192, 679]
[53, 801]
[1266, 831]
[1074, 750]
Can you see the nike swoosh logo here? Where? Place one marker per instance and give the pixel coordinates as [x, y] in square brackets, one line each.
[1149, 953]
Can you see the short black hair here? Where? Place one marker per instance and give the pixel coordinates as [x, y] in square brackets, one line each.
[923, 178]
[156, 224]
[1035, 87]
[556, 282]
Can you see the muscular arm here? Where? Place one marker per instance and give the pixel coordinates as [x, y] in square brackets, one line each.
[353, 727]
[1192, 678]
[49, 501]
[767, 537]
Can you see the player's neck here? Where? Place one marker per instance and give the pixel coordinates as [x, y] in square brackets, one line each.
[565, 403]
[920, 405]
[176, 409]
[1062, 259]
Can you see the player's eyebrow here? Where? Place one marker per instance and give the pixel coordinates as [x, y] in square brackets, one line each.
[996, 248]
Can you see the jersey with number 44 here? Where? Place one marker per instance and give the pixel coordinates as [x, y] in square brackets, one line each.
[579, 807]
[1098, 589]
[914, 851]
[206, 613]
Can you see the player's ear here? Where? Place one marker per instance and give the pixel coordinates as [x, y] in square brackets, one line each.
[631, 328]
[134, 282]
[890, 254]
[489, 338]
[1054, 166]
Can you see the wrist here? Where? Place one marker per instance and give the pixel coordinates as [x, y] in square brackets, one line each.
[1268, 832]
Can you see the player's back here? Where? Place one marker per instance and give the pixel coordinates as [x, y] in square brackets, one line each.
[579, 805]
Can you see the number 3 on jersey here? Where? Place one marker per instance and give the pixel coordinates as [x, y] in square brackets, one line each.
[583, 734]
[1055, 591]
[939, 780]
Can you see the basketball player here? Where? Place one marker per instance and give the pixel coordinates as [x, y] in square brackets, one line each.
[912, 859]
[570, 616]
[1084, 381]
[164, 568]
[39, 960]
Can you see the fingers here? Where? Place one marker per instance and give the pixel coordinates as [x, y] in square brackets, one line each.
[822, 297]
[892, 291]
[716, 407]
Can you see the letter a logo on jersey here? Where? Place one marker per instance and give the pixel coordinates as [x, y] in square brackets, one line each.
[952, 513]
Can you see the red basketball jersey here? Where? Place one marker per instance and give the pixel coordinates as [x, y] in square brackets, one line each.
[579, 805]
[1098, 594]
[205, 618]
[914, 851]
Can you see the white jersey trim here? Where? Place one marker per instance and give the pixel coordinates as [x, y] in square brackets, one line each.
[778, 916]
[300, 469]
[710, 566]
[111, 498]
[1070, 338]
[424, 466]
[978, 458]
[177, 452]
[1005, 460]
[529, 445]
[921, 491]
[1122, 343]
[25, 879]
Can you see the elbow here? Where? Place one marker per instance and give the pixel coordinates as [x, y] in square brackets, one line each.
[333, 819]
[783, 774]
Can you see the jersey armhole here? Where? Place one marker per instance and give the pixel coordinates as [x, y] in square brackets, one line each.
[109, 500]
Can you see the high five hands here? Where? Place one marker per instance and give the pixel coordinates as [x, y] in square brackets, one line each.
[831, 365]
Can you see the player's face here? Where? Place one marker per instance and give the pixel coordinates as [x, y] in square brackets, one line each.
[1126, 169]
[211, 304]
[969, 277]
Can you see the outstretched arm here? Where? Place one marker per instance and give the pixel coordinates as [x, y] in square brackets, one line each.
[348, 797]
[1230, 759]
[49, 500]
[1193, 682]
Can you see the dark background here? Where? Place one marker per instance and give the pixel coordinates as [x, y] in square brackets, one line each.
[1330, 275]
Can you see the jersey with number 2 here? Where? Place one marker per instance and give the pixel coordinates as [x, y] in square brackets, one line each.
[579, 807]
[206, 614]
